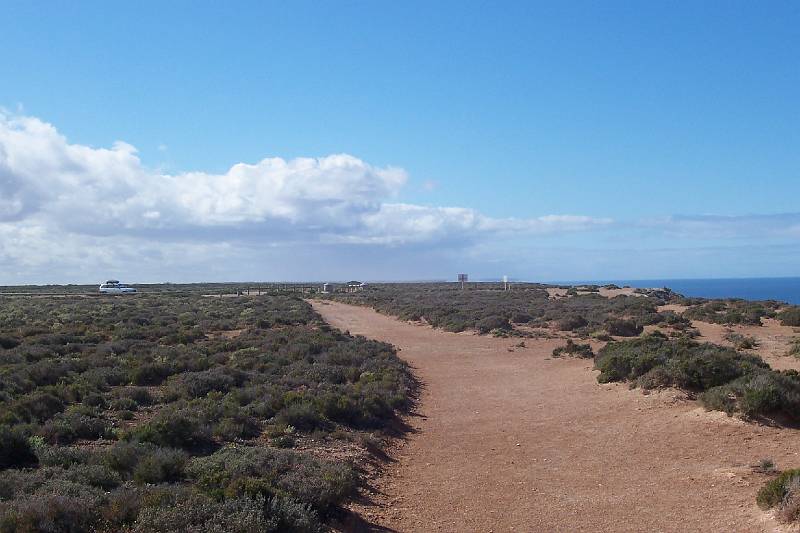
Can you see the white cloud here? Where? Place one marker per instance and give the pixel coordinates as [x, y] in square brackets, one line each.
[74, 212]
[403, 223]
[70, 204]
[760, 227]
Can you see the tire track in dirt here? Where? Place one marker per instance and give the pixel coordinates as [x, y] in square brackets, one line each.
[517, 441]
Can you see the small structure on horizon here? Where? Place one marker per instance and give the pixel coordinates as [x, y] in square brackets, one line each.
[463, 278]
[354, 286]
[350, 286]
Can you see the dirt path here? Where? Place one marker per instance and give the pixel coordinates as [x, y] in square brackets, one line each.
[517, 441]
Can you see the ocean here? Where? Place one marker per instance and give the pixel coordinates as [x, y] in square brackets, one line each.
[782, 289]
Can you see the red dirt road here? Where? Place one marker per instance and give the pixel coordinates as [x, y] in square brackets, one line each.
[517, 441]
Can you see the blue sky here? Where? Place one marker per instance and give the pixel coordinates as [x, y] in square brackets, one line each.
[665, 135]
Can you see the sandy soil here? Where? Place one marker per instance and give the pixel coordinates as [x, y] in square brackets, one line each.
[509, 439]
[774, 340]
[626, 291]
[557, 292]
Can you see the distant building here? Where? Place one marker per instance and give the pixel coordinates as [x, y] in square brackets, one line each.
[354, 286]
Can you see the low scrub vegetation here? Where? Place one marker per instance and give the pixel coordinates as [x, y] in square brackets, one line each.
[794, 348]
[790, 316]
[783, 494]
[730, 311]
[725, 379]
[574, 350]
[181, 413]
[741, 342]
[489, 308]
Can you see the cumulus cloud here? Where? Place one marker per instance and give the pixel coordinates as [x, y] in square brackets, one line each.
[68, 211]
[56, 196]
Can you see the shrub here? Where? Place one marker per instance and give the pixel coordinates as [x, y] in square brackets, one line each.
[623, 328]
[774, 491]
[68, 376]
[139, 395]
[236, 427]
[683, 363]
[790, 316]
[571, 323]
[124, 404]
[198, 384]
[521, 317]
[94, 400]
[758, 393]
[172, 428]
[741, 342]
[150, 374]
[122, 508]
[36, 407]
[95, 475]
[8, 343]
[731, 311]
[69, 427]
[485, 325]
[201, 514]
[14, 449]
[159, 466]
[63, 456]
[235, 472]
[575, 350]
[283, 441]
[302, 415]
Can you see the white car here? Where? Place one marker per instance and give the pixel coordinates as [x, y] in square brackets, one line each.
[113, 286]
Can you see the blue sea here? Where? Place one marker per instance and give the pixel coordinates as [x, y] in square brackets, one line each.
[782, 289]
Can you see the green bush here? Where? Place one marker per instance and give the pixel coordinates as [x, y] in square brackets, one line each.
[66, 428]
[139, 395]
[95, 475]
[485, 325]
[575, 350]
[759, 393]
[63, 456]
[8, 343]
[14, 449]
[67, 377]
[160, 466]
[623, 328]
[303, 415]
[172, 428]
[731, 311]
[50, 512]
[123, 457]
[729, 381]
[571, 323]
[794, 349]
[774, 491]
[790, 316]
[201, 514]
[683, 363]
[741, 342]
[251, 471]
[150, 374]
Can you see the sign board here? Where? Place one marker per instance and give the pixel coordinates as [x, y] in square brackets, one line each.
[462, 278]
